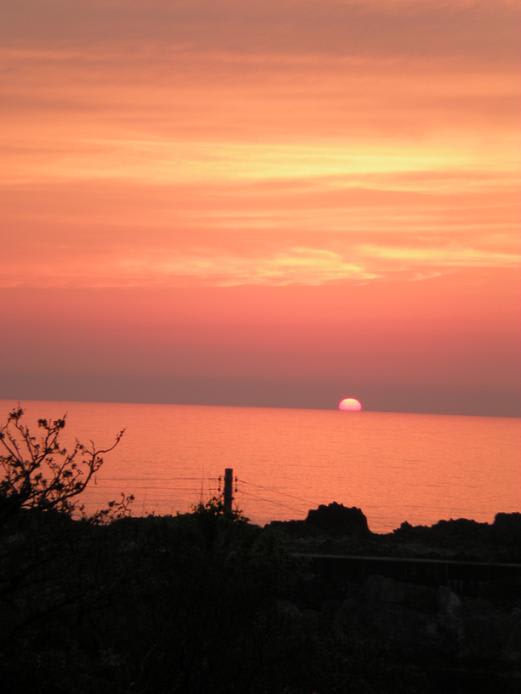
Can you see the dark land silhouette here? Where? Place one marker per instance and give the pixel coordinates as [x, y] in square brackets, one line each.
[207, 602]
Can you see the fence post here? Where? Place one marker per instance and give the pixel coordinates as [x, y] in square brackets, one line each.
[228, 490]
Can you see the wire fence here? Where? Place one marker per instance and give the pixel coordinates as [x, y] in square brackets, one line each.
[180, 493]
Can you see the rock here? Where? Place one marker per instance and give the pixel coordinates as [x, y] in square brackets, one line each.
[448, 602]
[337, 519]
[507, 528]
[512, 648]
[450, 619]
[287, 610]
[487, 630]
[379, 589]
[401, 614]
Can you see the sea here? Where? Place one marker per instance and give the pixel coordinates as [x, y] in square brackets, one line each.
[396, 467]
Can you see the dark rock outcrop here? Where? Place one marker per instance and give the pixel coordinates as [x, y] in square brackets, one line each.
[331, 521]
[337, 519]
[507, 528]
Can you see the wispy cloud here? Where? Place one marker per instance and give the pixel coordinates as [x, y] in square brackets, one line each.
[423, 27]
[442, 257]
[289, 266]
[268, 143]
[307, 266]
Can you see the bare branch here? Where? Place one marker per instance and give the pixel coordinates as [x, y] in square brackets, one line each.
[40, 473]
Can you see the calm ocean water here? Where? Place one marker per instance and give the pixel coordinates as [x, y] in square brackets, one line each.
[396, 467]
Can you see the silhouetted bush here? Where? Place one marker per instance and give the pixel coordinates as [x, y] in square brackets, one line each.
[40, 473]
[206, 602]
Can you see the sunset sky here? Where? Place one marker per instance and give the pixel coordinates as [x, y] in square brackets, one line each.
[262, 202]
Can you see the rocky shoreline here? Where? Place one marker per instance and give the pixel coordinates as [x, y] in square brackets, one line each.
[206, 602]
[467, 638]
[337, 529]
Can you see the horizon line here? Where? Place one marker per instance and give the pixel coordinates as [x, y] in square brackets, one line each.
[365, 410]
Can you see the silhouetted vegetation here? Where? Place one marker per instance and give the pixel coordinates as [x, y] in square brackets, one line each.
[207, 602]
[41, 474]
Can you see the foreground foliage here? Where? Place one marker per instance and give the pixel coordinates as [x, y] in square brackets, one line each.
[38, 472]
[197, 603]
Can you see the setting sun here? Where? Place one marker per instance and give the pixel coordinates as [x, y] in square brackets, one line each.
[274, 243]
[350, 405]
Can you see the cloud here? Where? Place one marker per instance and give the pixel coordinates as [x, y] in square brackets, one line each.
[441, 257]
[161, 161]
[262, 142]
[457, 27]
[298, 265]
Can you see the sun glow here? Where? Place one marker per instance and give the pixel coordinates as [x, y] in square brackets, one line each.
[350, 405]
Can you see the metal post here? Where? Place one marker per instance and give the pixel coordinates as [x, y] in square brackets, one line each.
[228, 490]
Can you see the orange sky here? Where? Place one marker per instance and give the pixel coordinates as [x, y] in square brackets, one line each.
[263, 203]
